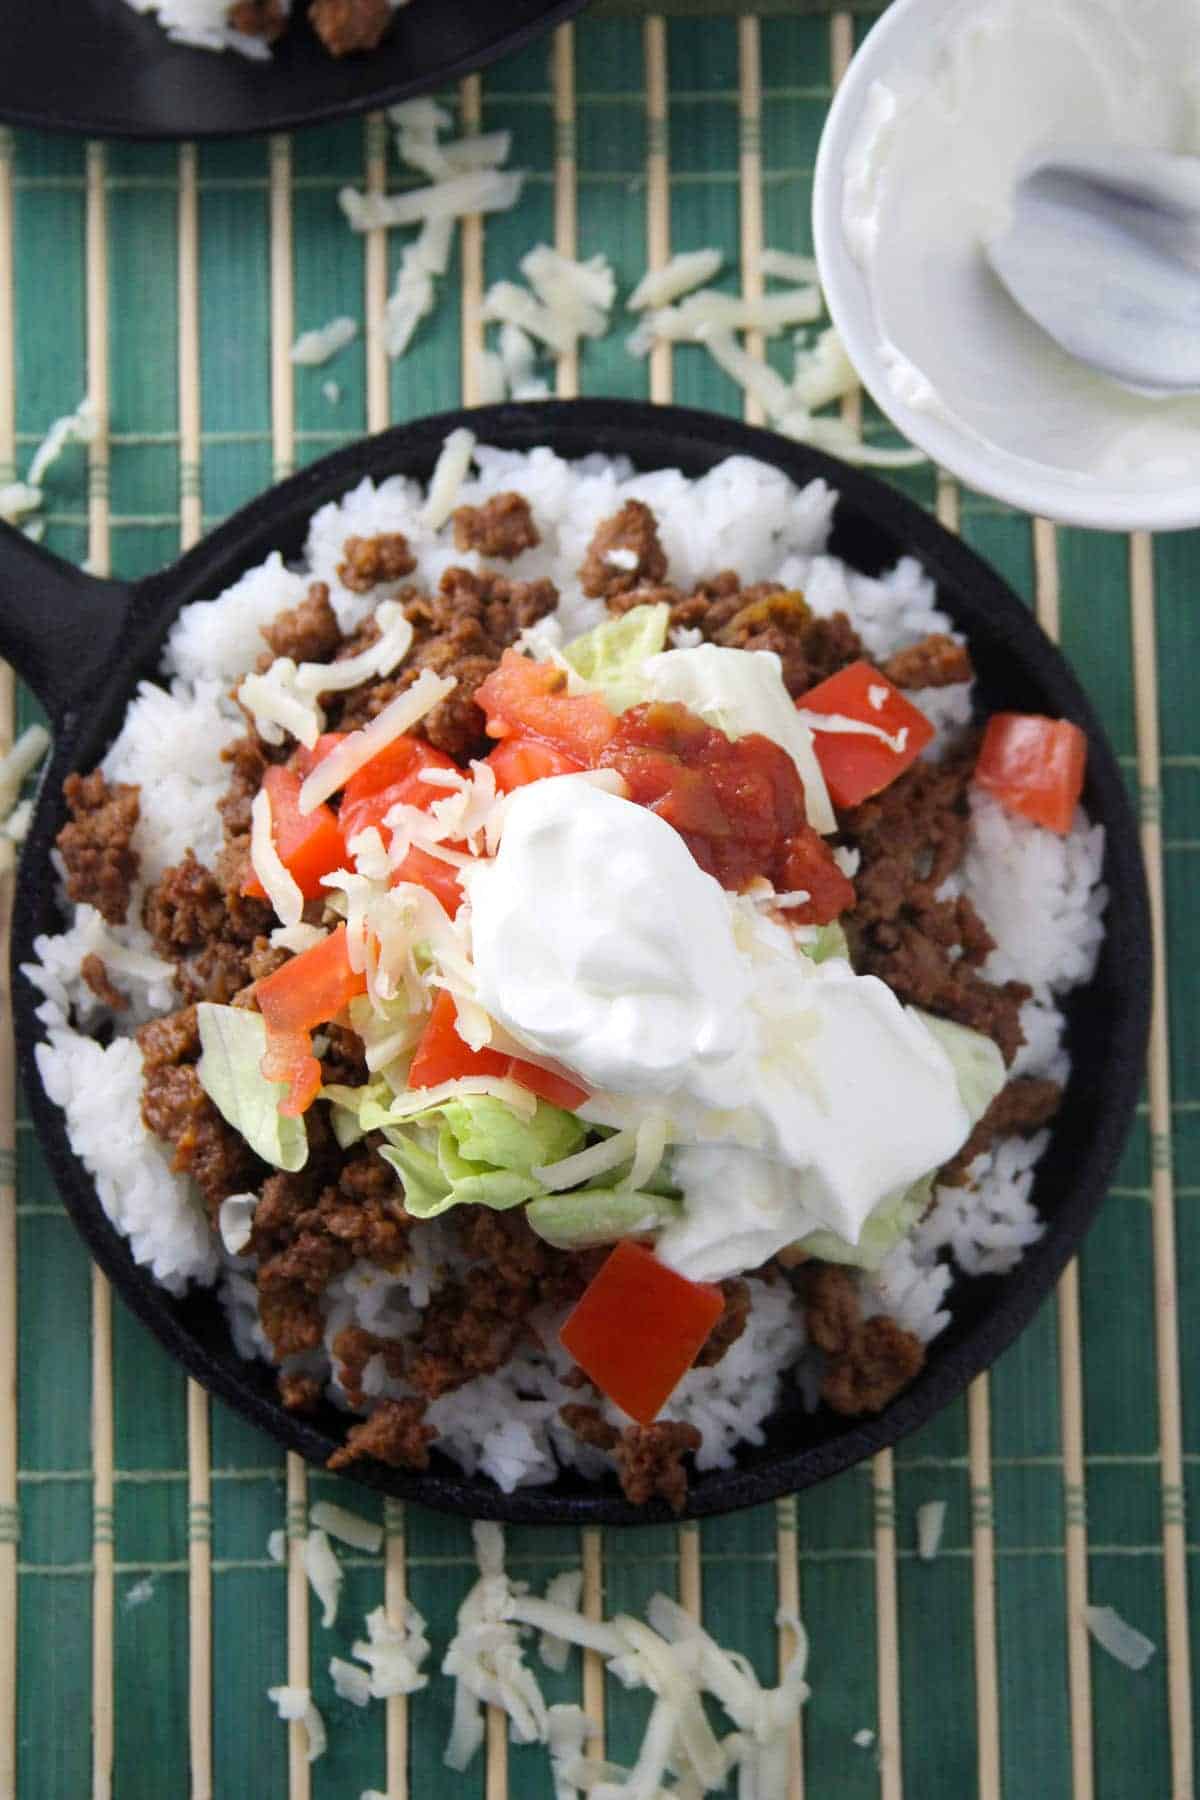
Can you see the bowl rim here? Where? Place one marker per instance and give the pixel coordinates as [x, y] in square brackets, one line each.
[1016, 481]
[891, 525]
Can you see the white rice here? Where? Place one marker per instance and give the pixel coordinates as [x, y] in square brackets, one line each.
[1039, 894]
[202, 24]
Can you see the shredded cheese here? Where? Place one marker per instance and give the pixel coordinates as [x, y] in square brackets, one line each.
[324, 1573]
[687, 270]
[349, 1528]
[839, 723]
[281, 889]
[24, 757]
[346, 758]
[448, 475]
[931, 1520]
[477, 191]
[312, 348]
[277, 706]
[393, 1653]
[1114, 1634]
[296, 1704]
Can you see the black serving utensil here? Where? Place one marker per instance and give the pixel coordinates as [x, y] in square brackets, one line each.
[82, 645]
[98, 67]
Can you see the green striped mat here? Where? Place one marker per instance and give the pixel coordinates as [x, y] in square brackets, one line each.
[162, 277]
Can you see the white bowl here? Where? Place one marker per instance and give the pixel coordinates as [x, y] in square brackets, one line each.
[975, 385]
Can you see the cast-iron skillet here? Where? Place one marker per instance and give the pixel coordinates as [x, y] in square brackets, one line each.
[97, 66]
[83, 643]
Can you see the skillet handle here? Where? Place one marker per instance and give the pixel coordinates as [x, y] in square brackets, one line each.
[59, 628]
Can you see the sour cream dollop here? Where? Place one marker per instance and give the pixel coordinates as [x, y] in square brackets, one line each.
[599, 941]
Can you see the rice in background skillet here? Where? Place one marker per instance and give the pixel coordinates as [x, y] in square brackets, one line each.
[1037, 892]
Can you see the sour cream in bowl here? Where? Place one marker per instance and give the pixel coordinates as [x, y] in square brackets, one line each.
[939, 110]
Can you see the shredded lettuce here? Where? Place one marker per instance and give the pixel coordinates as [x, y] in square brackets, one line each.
[234, 1041]
[977, 1063]
[611, 655]
[592, 1216]
[829, 941]
[473, 1150]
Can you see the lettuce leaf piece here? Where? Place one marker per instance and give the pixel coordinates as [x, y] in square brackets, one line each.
[233, 1043]
[892, 1219]
[830, 940]
[434, 1181]
[426, 1190]
[977, 1063]
[611, 655]
[488, 1131]
[589, 1217]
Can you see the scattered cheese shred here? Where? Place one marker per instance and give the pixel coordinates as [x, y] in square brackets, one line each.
[394, 1654]
[931, 1520]
[24, 757]
[477, 191]
[399, 716]
[312, 348]
[348, 1527]
[324, 1573]
[839, 723]
[1114, 1634]
[277, 1547]
[687, 270]
[295, 1705]
[565, 1589]
[350, 1682]
[281, 889]
[448, 475]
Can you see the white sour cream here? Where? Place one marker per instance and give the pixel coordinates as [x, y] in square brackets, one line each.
[599, 941]
[933, 166]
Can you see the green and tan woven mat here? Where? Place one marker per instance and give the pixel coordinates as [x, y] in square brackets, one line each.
[141, 1619]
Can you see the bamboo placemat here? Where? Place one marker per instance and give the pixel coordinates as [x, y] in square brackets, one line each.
[140, 1617]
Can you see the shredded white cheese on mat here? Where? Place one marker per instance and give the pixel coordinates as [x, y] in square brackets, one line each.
[277, 1546]
[348, 1527]
[687, 270]
[394, 1654]
[20, 499]
[346, 758]
[478, 191]
[295, 1704]
[24, 757]
[350, 1682]
[1114, 1634]
[931, 1520]
[312, 348]
[281, 889]
[324, 1573]
[563, 1590]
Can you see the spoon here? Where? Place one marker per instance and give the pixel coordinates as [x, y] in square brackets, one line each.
[1103, 252]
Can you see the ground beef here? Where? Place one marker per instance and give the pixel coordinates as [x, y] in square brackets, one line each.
[96, 843]
[937, 661]
[879, 1364]
[502, 527]
[257, 18]
[308, 632]
[299, 1393]
[95, 974]
[173, 1039]
[1024, 1106]
[176, 1109]
[911, 837]
[460, 631]
[394, 1434]
[353, 1349]
[868, 1362]
[632, 530]
[473, 1325]
[809, 649]
[589, 1425]
[367, 562]
[649, 1461]
[344, 1063]
[248, 758]
[216, 940]
[291, 1318]
[729, 1327]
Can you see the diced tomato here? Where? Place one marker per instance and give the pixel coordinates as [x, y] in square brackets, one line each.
[309, 844]
[443, 1055]
[1034, 766]
[808, 864]
[855, 765]
[638, 1329]
[311, 988]
[546, 1084]
[289, 1058]
[304, 761]
[392, 777]
[430, 872]
[516, 761]
[531, 700]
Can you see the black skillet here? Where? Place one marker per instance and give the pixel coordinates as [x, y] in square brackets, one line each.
[82, 644]
[99, 67]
